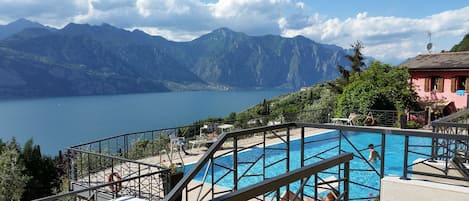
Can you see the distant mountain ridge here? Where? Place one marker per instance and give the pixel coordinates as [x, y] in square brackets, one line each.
[82, 59]
[17, 26]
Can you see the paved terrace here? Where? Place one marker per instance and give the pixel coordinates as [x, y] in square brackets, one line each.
[196, 154]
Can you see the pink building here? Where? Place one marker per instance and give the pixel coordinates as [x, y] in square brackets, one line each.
[440, 79]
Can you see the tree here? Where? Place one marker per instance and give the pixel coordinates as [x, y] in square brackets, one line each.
[357, 65]
[12, 182]
[231, 118]
[462, 46]
[42, 170]
[357, 58]
[381, 86]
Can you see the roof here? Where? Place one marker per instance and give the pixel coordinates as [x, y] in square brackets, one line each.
[439, 61]
[224, 126]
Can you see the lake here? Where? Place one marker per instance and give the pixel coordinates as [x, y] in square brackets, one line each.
[57, 123]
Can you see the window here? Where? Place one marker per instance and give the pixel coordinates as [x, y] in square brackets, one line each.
[460, 83]
[434, 83]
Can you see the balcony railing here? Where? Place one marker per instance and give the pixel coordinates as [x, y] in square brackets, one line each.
[137, 186]
[214, 185]
[103, 177]
[302, 175]
[92, 163]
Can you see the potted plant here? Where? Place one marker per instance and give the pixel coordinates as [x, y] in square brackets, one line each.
[175, 175]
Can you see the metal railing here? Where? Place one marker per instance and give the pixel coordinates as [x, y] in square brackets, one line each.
[457, 123]
[137, 145]
[453, 151]
[390, 118]
[302, 175]
[103, 177]
[218, 177]
[132, 186]
[92, 163]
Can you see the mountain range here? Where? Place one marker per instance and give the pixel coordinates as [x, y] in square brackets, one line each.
[83, 59]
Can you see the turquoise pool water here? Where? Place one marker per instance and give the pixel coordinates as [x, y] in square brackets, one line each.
[363, 175]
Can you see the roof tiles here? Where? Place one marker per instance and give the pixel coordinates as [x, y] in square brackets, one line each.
[440, 61]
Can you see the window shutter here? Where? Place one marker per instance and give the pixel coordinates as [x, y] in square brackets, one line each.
[453, 84]
[467, 85]
[441, 84]
[426, 87]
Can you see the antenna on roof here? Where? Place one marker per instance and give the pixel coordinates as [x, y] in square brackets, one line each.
[429, 44]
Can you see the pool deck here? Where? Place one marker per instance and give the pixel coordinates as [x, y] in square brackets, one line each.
[163, 158]
[294, 134]
[198, 153]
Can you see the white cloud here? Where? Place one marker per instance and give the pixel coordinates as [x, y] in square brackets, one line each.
[173, 34]
[49, 12]
[300, 5]
[386, 38]
[111, 4]
[155, 7]
[250, 16]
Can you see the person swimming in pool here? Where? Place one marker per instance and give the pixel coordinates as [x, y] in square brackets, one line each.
[373, 153]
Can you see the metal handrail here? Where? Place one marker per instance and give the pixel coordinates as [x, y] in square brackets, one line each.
[93, 188]
[447, 119]
[117, 158]
[383, 131]
[211, 151]
[284, 179]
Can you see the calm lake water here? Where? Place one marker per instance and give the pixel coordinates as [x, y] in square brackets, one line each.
[56, 123]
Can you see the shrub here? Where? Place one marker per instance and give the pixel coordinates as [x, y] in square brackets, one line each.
[413, 124]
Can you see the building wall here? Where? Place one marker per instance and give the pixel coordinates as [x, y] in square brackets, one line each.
[418, 79]
[395, 189]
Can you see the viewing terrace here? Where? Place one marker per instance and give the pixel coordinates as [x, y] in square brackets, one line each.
[262, 163]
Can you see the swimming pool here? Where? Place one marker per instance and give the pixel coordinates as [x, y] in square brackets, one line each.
[363, 174]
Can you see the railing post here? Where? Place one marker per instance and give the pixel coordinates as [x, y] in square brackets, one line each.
[264, 156]
[383, 151]
[302, 155]
[347, 180]
[447, 155]
[434, 145]
[112, 165]
[340, 141]
[118, 148]
[187, 193]
[235, 164]
[302, 160]
[406, 157]
[340, 151]
[139, 182]
[89, 170]
[126, 146]
[100, 151]
[316, 186]
[213, 171]
[288, 155]
[152, 143]
[288, 150]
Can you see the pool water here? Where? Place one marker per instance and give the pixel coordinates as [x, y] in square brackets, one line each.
[360, 173]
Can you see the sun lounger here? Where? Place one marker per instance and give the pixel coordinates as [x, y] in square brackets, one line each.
[347, 121]
[201, 140]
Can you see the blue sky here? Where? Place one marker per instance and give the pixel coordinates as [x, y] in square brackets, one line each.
[401, 8]
[391, 31]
